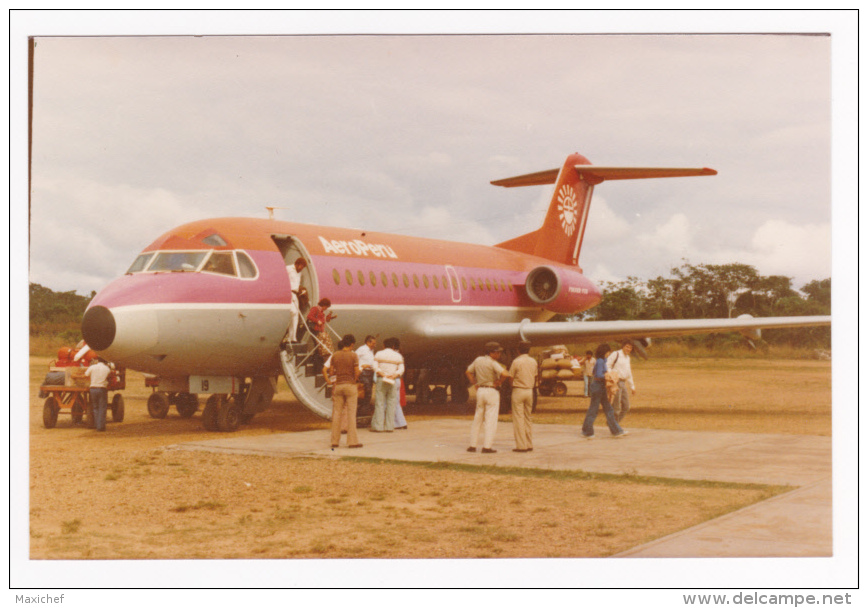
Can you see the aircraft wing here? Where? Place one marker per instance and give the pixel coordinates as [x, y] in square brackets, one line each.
[541, 334]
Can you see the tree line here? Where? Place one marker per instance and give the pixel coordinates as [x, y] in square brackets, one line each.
[55, 308]
[709, 291]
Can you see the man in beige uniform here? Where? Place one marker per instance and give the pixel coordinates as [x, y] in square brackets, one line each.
[523, 371]
[487, 375]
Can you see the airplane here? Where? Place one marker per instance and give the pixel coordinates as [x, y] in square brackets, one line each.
[205, 308]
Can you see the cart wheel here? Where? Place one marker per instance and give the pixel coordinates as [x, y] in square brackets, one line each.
[158, 405]
[118, 408]
[77, 410]
[560, 389]
[545, 390]
[49, 412]
[209, 414]
[228, 416]
[187, 404]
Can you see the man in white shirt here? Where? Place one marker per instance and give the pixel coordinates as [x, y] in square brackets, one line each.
[619, 361]
[98, 373]
[388, 367]
[366, 366]
[294, 273]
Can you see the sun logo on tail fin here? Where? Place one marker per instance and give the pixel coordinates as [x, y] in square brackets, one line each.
[567, 209]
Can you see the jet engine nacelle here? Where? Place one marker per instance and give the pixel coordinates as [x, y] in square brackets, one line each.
[543, 285]
[558, 290]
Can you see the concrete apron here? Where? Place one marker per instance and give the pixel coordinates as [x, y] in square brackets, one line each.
[797, 523]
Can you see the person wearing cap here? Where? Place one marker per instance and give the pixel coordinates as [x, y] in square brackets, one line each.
[523, 372]
[486, 374]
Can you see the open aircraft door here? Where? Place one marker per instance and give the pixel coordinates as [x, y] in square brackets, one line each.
[297, 358]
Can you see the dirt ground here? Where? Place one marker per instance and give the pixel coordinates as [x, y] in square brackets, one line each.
[121, 495]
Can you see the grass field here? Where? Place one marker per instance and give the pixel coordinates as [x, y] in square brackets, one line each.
[121, 495]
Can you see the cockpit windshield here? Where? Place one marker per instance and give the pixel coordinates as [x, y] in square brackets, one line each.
[177, 261]
[225, 263]
[140, 263]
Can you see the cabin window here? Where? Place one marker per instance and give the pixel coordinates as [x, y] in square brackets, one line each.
[246, 267]
[361, 276]
[336, 276]
[488, 284]
[496, 286]
[406, 279]
[177, 261]
[220, 262]
[394, 279]
[454, 283]
[416, 281]
[436, 281]
[373, 278]
[140, 263]
[384, 279]
[445, 282]
[463, 283]
[425, 280]
[349, 276]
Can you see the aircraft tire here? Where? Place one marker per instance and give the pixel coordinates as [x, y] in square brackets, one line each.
[118, 408]
[49, 413]
[209, 414]
[460, 393]
[187, 404]
[158, 405]
[228, 417]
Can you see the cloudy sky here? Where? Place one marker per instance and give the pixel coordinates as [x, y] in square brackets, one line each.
[135, 135]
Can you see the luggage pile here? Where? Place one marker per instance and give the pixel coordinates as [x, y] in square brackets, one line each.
[556, 367]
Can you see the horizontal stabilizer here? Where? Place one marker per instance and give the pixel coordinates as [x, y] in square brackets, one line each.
[598, 174]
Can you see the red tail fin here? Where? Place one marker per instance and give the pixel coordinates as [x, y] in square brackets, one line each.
[560, 238]
[563, 230]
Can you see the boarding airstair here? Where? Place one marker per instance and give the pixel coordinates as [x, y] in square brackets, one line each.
[303, 372]
[302, 369]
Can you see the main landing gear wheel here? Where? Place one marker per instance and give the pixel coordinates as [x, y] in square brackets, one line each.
[49, 412]
[438, 395]
[209, 414]
[228, 416]
[187, 404]
[158, 405]
[118, 408]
